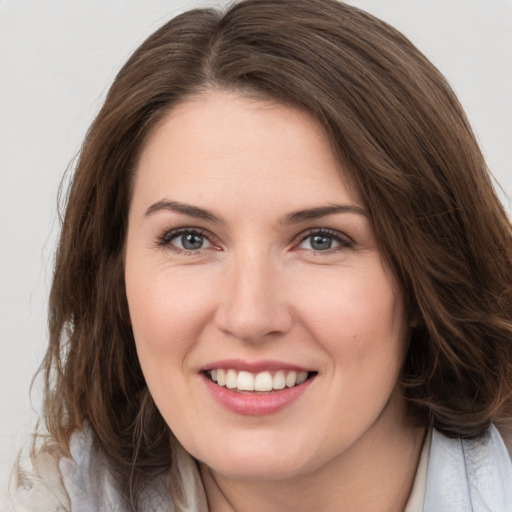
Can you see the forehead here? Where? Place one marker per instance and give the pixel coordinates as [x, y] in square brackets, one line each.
[239, 141]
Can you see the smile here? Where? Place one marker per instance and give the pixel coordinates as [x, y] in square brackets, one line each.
[258, 388]
[265, 381]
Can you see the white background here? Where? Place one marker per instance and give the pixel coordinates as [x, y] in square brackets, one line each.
[57, 59]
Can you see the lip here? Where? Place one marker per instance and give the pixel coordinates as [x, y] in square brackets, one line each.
[254, 403]
[254, 366]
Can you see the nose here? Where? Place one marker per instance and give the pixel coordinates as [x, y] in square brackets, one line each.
[253, 305]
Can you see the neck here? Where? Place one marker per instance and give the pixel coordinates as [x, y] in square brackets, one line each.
[374, 475]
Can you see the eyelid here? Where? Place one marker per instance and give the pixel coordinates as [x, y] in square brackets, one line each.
[345, 241]
[164, 240]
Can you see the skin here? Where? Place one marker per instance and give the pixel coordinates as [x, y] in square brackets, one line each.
[259, 289]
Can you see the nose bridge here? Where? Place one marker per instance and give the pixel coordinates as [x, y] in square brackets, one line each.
[253, 304]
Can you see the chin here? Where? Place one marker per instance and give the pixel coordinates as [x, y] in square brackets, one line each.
[267, 470]
[255, 462]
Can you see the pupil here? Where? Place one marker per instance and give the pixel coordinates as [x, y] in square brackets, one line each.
[320, 242]
[192, 241]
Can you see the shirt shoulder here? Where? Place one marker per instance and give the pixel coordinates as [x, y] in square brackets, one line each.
[36, 483]
[78, 481]
[469, 474]
[49, 480]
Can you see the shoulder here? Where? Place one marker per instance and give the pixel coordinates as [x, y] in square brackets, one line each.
[36, 483]
[469, 474]
[505, 431]
[77, 481]
[53, 481]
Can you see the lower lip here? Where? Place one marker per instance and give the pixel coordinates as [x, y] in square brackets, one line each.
[256, 404]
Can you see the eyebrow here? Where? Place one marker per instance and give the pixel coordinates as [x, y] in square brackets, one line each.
[292, 218]
[321, 211]
[185, 209]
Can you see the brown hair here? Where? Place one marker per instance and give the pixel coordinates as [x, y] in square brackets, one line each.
[399, 131]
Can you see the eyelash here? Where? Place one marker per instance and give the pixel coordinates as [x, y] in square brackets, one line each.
[344, 241]
[166, 239]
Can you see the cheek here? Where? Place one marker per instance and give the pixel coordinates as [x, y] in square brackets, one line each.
[168, 308]
[360, 324]
[355, 317]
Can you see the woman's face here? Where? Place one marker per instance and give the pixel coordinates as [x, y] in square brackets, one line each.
[251, 265]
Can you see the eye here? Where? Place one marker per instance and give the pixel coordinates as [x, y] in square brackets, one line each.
[324, 240]
[186, 240]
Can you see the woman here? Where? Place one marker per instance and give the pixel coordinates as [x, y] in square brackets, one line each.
[283, 281]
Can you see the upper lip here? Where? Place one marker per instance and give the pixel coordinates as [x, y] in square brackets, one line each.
[254, 366]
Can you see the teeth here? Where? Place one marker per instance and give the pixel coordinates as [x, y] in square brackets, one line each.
[245, 381]
[279, 380]
[291, 379]
[301, 377]
[263, 381]
[231, 379]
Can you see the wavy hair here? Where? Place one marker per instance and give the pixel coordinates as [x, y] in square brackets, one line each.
[398, 129]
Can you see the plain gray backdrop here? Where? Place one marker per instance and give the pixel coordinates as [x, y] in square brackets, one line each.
[57, 59]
